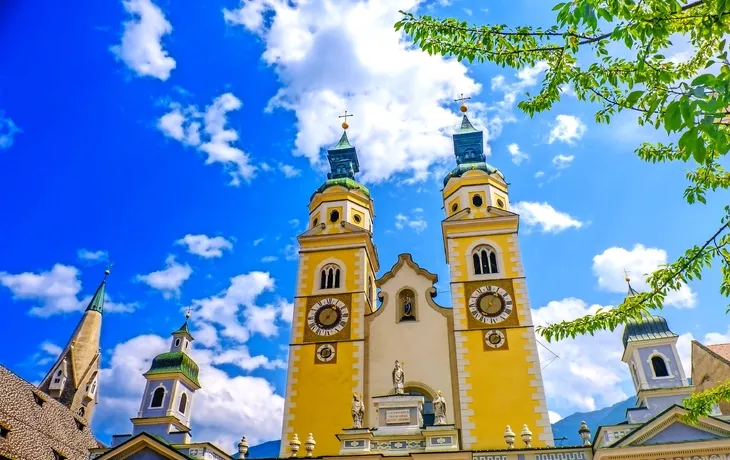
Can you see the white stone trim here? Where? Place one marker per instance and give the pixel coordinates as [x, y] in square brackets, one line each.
[316, 277]
[286, 426]
[538, 394]
[667, 364]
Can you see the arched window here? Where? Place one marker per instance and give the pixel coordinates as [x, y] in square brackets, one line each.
[330, 277]
[660, 366]
[81, 412]
[183, 403]
[485, 260]
[428, 415]
[157, 397]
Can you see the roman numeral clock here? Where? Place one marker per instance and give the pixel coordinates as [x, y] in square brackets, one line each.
[328, 322]
[492, 308]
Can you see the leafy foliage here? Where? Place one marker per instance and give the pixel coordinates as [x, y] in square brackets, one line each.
[688, 97]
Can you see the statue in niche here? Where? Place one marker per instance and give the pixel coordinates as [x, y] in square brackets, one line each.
[439, 410]
[358, 410]
[399, 378]
[407, 298]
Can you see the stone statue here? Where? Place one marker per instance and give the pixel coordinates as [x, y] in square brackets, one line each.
[407, 306]
[399, 378]
[358, 410]
[439, 410]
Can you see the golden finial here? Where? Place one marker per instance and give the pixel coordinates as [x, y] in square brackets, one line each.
[344, 123]
[626, 274]
[188, 312]
[463, 107]
[108, 269]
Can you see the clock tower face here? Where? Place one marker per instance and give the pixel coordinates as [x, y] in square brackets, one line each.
[328, 317]
[490, 304]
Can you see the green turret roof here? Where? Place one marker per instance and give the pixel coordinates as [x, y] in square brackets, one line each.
[344, 143]
[175, 361]
[350, 184]
[647, 327]
[183, 330]
[466, 126]
[463, 168]
[97, 301]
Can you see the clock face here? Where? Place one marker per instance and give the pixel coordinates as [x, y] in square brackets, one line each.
[490, 304]
[494, 339]
[325, 353]
[328, 317]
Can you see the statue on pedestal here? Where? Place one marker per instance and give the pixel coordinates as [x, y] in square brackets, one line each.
[399, 378]
[358, 410]
[439, 410]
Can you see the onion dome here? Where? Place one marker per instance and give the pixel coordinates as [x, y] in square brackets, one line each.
[344, 165]
[175, 361]
[647, 327]
[469, 150]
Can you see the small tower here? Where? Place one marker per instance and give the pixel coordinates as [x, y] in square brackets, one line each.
[650, 351]
[167, 400]
[73, 379]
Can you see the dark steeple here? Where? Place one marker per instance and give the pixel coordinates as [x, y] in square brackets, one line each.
[97, 301]
[343, 159]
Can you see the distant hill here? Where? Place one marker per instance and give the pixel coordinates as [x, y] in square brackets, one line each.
[567, 427]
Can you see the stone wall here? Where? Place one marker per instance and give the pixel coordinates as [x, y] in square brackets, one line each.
[708, 370]
[36, 430]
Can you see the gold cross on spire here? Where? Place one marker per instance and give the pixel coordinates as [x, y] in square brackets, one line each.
[344, 123]
[188, 312]
[462, 99]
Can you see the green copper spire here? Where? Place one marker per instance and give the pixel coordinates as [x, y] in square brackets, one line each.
[184, 329]
[97, 302]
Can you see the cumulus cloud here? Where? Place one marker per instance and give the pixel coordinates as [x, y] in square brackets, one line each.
[502, 111]
[348, 56]
[567, 129]
[544, 216]
[92, 256]
[170, 279]
[554, 417]
[416, 223]
[570, 380]
[205, 246]
[217, 141]
[56, 291]
[8, 130]
[141, 46]
[518, 156]
[226, 406]
[563, 161]
[235, 313]
[47, 353]
[269, 259]
[639, 261]
[289, 171]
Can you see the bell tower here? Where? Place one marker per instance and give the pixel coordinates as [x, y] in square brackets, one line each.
[498, 369]
[335, 290]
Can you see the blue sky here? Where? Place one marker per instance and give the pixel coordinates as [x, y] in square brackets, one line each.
[182, 142]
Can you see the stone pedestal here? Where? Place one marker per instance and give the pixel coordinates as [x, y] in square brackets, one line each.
[398, 415]
[355, 441]
[441, 438]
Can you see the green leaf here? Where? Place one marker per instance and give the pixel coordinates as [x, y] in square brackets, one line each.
[633, 97]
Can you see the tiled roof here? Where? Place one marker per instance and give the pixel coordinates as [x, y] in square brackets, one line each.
[722, 349]
[175, 361]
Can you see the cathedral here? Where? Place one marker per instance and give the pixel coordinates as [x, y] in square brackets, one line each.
[377, 367]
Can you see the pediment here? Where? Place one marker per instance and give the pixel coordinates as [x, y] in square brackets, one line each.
[670, 427]
[407, 260]
[143, 446]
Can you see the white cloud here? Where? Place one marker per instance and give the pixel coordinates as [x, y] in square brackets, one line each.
[562, 161]
[56, 290]
[289, 171]
[269, 259]
[257, 241]
[503, 110]
[141, 47]
[567, 129]
[554, 416]
[543, 215]
[570, 380]
[205, 246]
[416, 223]
[294, 223]
[518, 156]
[539, 174]
[291, 251]
[684, 350]
[226, 406]
[92, 256]
[8, 130]
[331, 58]
[183, 124]
[640, 261]
[170, 279]
[234, 312]
[47, 353]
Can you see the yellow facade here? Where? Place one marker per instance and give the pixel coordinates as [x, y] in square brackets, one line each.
[497, 386]
[488, 364]
[319, 387]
